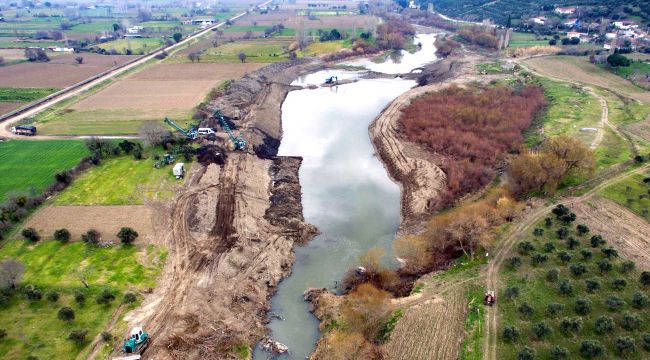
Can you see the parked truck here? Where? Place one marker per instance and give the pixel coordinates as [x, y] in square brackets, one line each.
[24, 130]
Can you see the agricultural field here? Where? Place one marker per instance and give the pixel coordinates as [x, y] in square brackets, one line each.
[32, 326]
[33, 164]
[520, 39]
[60, 72]
[137, 45]
[158, 91]
[632, 193]
[256, 51]
[13, 98]
[579, 69]
[120, 181]
[567, 291]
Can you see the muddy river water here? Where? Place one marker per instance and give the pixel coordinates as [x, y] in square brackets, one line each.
[347, 193]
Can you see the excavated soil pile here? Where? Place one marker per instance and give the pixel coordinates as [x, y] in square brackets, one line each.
[211, 154]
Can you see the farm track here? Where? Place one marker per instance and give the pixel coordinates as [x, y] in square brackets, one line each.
[79, 88]
[504, 249]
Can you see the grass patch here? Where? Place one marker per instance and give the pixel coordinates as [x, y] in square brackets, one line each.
[612, 150]
[520, 39]
[92, 27]
[24, 94]
[631, 193]
[33, 328]
[120, 181]
[136, 45]
[471, 348]
[256, 51]
[535, 291]
[31, 165]
[640, 67]
[319, 48]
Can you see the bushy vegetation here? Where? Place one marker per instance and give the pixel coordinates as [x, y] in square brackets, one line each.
[479, 35]
[24, 94]
[472, 128]
[592, 306]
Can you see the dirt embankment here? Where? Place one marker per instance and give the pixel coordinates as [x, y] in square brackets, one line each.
[230, 233]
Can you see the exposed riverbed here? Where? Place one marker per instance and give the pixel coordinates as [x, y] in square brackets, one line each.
[347, 193]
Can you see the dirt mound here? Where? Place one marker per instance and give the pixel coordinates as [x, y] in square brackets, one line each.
[211, 154]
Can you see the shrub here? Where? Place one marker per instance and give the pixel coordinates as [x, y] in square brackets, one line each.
[591, 349]
[52, 296]
[129, 298]
[62, 235]
[65, 314]
[640, 300]
[525, 247]
[586, 254]
[630, 321]
[565, 287]
[604, 266]
[106, 336]
[625, 345]
[80, 298]
[105, 297]
[568, 218]
[562, 232]
[597, 241]
[571, 325]
[510, 334]
[644, 278]
[31, 234]
[559, 353]
[614, 303]
[618, 60]
[604, 324]
[538, 259]
[526, 354]
[538, 231]
[609, 252]
[560, 210]
[127, 235]
[592, 285]
[514, 262]
[627, 266]
[582, 229]
[646, 341]
[3, 333]
[564, 256]
[582, 306]
[78, 336]
[578, 269]
[525, 310]
[554, 309]
[540, 330]
[572, 243]
[619, 284]
[552, 275]
[511, 292]
[91, 236]
[549, 247]
[548, 222]
[33, 293]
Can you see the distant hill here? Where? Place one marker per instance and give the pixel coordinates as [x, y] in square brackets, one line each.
[501, 10]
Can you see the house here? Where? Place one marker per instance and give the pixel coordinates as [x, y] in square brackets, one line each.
[60, 49]
[625, 24]
[412, 5]
[610, 36]
[607, 46]
[565, 10]
[132, 36]
[573, 35]
[134, 29]
[572, 22]
[541, 20]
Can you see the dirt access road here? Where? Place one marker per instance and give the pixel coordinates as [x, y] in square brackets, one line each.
[5, 130]
[504, 249]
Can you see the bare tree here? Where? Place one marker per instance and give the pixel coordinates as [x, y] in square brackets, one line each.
[153, 133]
[11, 271]
[242, 57]
[194, 55]
[79, 59]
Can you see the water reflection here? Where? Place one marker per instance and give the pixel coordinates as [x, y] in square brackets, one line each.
[407, 62]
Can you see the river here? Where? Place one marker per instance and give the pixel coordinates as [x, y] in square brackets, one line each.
[347, 193]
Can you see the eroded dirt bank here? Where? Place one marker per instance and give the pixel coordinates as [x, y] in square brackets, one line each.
[230, 232]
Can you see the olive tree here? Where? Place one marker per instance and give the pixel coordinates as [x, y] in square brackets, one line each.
[11, 272]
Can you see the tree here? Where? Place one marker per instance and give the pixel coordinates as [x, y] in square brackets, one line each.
[525, 247]
[577, 269]
[32, 293]
[3, 333]
[62, 235]
[604, 324]
[559, 353]
[66, 314]
[604, 266]
[627, 266]
[366, 310]
[36, 55]
[564, 256]
[591, 349]
[619, 284]
[177, 37]
[153, 133]
[592, 285]
[582, 306]
[129, 298]
[571, 325]
[100, 148]
[78, 336]
[646, 341]
[615, 60]
[597, 241]
[116, 27]
[540, 330]
[414, 250]
[644, 278]
[554, 309]
[614, 303]
[640, 300]
[630, 321]
[511, 292]
[106, 336]
[52, 296]
[105, 297]
[552, 275]
[30, 234]
[80, 298]
[242, 56]
[582, 229]
[625, 345]
[127, 235]
[91, 237]
[609, 252]
[525, 310]
[79, 60]
[510, 334]
[586, 254]
[468, 231]
[194, 56]
[562, 232]
[572, 243]
[11, 272]
[565, 287]
[514, 262]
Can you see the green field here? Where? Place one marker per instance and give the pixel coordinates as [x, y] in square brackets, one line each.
[24, 94]
[519, 39]
[33, 327]
[256, 51]
[631, 193]
[529, 290]
[136, 45]
[27, 165]
[93, 27]
[5, 44]
[636, 67]
[120, 181]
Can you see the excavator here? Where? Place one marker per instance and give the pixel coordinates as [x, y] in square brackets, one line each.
[332, 80]
[191, 133]
[135, 345]
[238, 141]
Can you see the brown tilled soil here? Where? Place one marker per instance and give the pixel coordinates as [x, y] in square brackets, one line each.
[6, 107]
[620, 227]
[106, 219]
[165, 86]
[60, 72]
[641, 129]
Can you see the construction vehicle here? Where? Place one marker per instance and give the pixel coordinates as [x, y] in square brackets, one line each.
[191, 133]
[165, 160]
[238, 141]
[24, 130]
[135, 345]
[490, 298]
[332, 80]
[179, 170]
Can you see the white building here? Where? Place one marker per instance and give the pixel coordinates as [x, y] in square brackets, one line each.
[539, 20]
[565, 10]
[625, 24]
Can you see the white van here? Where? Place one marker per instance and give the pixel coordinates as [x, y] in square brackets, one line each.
[206, 131]
[179, 170]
